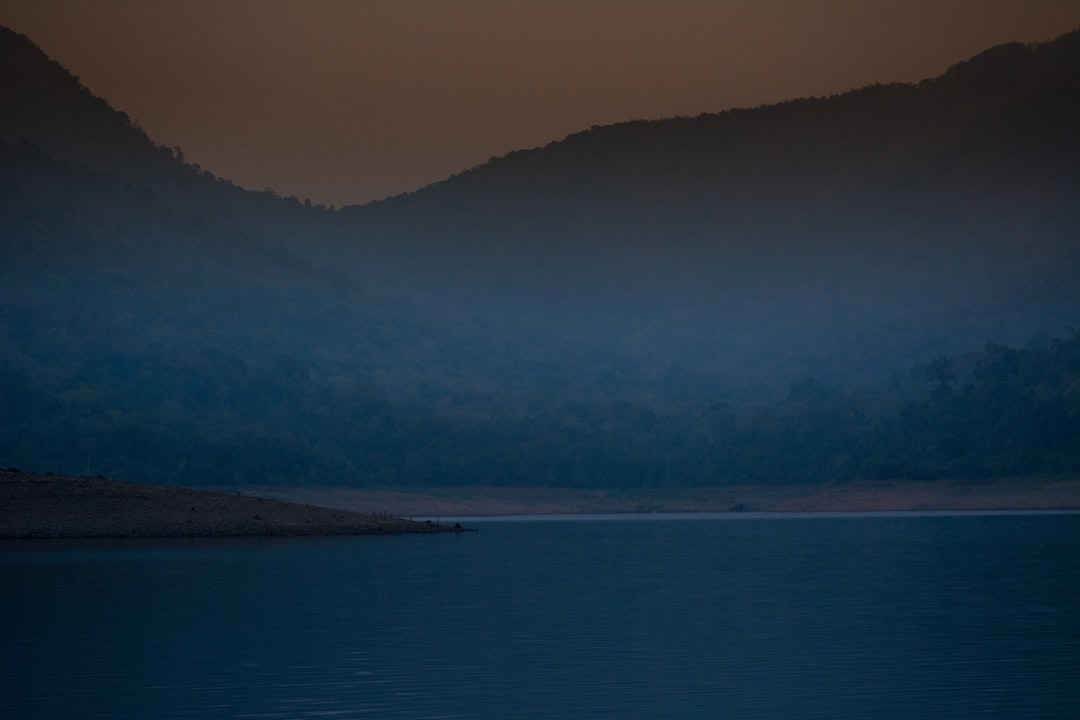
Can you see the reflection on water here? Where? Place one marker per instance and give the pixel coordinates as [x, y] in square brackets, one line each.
[813, 617]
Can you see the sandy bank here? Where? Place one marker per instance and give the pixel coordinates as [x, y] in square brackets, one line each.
[51, 506]
[1003, 494]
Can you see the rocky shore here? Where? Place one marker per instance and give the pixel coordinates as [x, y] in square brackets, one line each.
[53, 506]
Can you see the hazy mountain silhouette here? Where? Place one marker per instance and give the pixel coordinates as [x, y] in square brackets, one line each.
[45, 106]
[944, 211]
[655, 301]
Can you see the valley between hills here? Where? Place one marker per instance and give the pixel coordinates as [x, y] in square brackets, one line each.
[837, 292]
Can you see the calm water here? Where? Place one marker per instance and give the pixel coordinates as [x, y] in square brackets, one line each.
[737, 617]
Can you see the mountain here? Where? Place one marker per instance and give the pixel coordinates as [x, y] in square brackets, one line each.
[47, 107]
[151, 311]
[752, 295]
[914, 218]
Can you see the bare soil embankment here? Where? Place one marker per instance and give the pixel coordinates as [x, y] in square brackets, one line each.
[1002, 494]
[52, 506]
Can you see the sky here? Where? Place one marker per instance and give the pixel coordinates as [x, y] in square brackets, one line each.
[347, 101]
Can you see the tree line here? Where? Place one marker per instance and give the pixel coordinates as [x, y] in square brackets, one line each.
[201, 416]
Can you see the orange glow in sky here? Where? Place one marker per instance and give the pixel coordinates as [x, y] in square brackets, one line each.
[348, 101]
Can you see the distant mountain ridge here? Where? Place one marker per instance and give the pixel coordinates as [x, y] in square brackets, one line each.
[886, 214]
[1011, 109]
[48, 107]
[673, 300]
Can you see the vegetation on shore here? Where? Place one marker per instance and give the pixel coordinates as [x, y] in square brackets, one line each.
[992, 413]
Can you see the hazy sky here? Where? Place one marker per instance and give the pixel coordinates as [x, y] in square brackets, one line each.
[346, 101]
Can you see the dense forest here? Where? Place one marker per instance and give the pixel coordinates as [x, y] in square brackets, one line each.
[202, 417]
[793, 293]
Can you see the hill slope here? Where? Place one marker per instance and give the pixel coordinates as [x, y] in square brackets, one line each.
[889, 223]
[746, 296]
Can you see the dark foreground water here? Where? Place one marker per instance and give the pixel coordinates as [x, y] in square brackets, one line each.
[736, 617]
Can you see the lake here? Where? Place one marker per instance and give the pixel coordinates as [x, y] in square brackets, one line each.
[734, 616]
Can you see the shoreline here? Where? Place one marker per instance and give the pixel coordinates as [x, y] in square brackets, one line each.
[864, 496]
[45, 506]
[42, 506]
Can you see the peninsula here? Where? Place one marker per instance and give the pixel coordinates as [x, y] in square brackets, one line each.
[36, 505]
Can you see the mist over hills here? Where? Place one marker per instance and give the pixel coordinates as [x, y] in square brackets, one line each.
[864, 219]
[749, 295]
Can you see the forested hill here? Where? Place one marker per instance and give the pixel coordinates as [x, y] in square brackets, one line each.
[753, 295]
[883, 223]
[47, 107]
